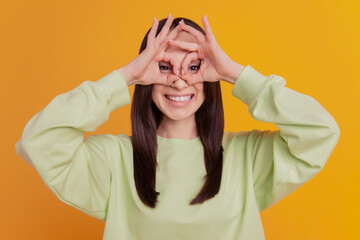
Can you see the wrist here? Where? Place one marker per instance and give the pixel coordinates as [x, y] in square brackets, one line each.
[233, 73]
[126, 73]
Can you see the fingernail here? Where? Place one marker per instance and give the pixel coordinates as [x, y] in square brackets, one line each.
[155, 19]
[182, 72]
[177, 73]
[169, 15]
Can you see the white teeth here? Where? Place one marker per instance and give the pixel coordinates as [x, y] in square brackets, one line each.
[179, 99]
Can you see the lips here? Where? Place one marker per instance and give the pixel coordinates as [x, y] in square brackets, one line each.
[179, 100]
[182, 98]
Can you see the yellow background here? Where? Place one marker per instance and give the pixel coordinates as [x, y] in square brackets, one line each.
[48, 47]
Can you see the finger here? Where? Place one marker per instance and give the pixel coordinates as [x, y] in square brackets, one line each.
[166, 79]
[152, 33]
[208, 30]
[196, 33]
[193, 56]
[164, 31]
[185, 45]
[191, 78]
[175, 64]
[174, 33]
[171, 79]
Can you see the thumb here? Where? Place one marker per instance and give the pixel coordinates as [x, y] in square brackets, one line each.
[191, 78]
[175, 64]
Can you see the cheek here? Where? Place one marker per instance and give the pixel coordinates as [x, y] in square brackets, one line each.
[156, 96]
[200, 91]
[202, 99]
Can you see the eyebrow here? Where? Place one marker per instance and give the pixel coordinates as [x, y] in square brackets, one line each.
[198, 61]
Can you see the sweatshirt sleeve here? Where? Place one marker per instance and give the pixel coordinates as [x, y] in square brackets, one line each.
[284, 159]
[76, 170]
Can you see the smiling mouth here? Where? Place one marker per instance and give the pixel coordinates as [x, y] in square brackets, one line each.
[183, 98]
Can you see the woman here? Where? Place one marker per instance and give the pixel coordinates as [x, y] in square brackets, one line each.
[179, 176]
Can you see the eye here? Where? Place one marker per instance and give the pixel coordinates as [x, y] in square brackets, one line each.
[165, 68]
[194, 67]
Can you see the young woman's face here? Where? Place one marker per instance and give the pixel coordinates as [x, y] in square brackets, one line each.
[179, 101]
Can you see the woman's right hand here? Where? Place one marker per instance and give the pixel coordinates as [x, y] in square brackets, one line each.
[144, 69]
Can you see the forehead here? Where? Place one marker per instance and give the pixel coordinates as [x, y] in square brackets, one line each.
[184, 37]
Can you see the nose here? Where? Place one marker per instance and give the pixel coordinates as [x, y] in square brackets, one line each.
[178, 83]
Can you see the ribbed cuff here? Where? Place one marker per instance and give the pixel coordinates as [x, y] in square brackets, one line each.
[115, 86]
[248, 85]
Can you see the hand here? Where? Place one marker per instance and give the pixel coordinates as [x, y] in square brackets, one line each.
[215, 64]
[144, 69]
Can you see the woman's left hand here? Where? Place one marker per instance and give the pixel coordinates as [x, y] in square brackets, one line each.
[215, 64]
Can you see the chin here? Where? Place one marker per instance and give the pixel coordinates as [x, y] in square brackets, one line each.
[178, 117]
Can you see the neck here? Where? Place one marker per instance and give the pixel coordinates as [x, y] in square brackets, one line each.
[182, 129]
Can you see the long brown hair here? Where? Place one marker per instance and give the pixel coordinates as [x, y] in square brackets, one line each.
[146, 117]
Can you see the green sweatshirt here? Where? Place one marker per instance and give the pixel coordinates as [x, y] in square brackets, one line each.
[95, 174]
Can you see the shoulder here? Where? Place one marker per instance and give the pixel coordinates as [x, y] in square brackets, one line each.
[109, 141]
[233, 139]
[124, 140]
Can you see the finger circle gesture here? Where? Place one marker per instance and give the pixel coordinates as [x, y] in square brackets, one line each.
[215, 64]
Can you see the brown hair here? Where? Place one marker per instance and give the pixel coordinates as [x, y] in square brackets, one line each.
[146, 117]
